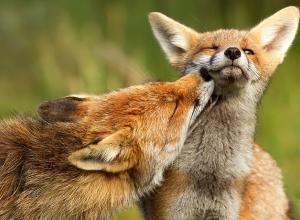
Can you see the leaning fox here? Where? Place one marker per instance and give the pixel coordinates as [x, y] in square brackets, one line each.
[93, 155]
[220, 173]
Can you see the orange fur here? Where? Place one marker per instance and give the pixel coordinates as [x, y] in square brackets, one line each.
[112, 142]
[258, 200]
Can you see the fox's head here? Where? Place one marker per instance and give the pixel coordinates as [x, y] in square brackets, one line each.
[233, 58]
[133, 127]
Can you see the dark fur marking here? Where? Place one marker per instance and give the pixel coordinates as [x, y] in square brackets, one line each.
[59, 109]
[290, 211]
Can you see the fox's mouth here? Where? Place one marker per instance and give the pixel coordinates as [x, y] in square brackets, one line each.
[226, 78]
[229, 73]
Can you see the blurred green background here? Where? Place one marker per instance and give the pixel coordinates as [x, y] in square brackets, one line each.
[53, 48]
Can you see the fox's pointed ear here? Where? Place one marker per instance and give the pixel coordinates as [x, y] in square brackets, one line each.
[114, 153]
[67, 109]
[173, 37]
[277, 32]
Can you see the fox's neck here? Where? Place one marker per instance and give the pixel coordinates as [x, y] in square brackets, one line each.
[220, 147]
[218, 153]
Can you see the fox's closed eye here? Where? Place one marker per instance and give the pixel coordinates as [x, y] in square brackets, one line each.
[248, 51]
[213, 47]
[175, 108]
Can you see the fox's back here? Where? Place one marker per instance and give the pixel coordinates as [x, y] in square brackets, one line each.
[26, 152]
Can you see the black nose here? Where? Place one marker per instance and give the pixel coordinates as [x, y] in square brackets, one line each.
[232, 53]
[205, 74]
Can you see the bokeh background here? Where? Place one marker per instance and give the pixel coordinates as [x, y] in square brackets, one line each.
[54, 48]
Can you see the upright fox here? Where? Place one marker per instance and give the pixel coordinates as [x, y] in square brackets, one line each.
[93, 155]
[221, 173]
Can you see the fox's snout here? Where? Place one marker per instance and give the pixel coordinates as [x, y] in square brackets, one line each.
[232, 57]
[229, 67]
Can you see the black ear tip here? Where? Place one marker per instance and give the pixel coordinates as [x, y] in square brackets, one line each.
[63, 109]
[44, 111]
[205, 74]
[44, 107]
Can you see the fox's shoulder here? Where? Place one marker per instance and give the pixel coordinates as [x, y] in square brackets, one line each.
[263, 189]
[264, 163]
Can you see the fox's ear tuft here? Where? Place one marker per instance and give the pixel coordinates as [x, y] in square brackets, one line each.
[112, 154]
[173, 37]
[67, 109]
[277, 32]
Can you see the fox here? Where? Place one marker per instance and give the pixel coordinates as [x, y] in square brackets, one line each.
[86, 157]
[221, 173]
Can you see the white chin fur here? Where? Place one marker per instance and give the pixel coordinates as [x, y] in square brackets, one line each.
[205, 93]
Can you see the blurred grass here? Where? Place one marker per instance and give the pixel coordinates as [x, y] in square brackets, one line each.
[54, 48]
